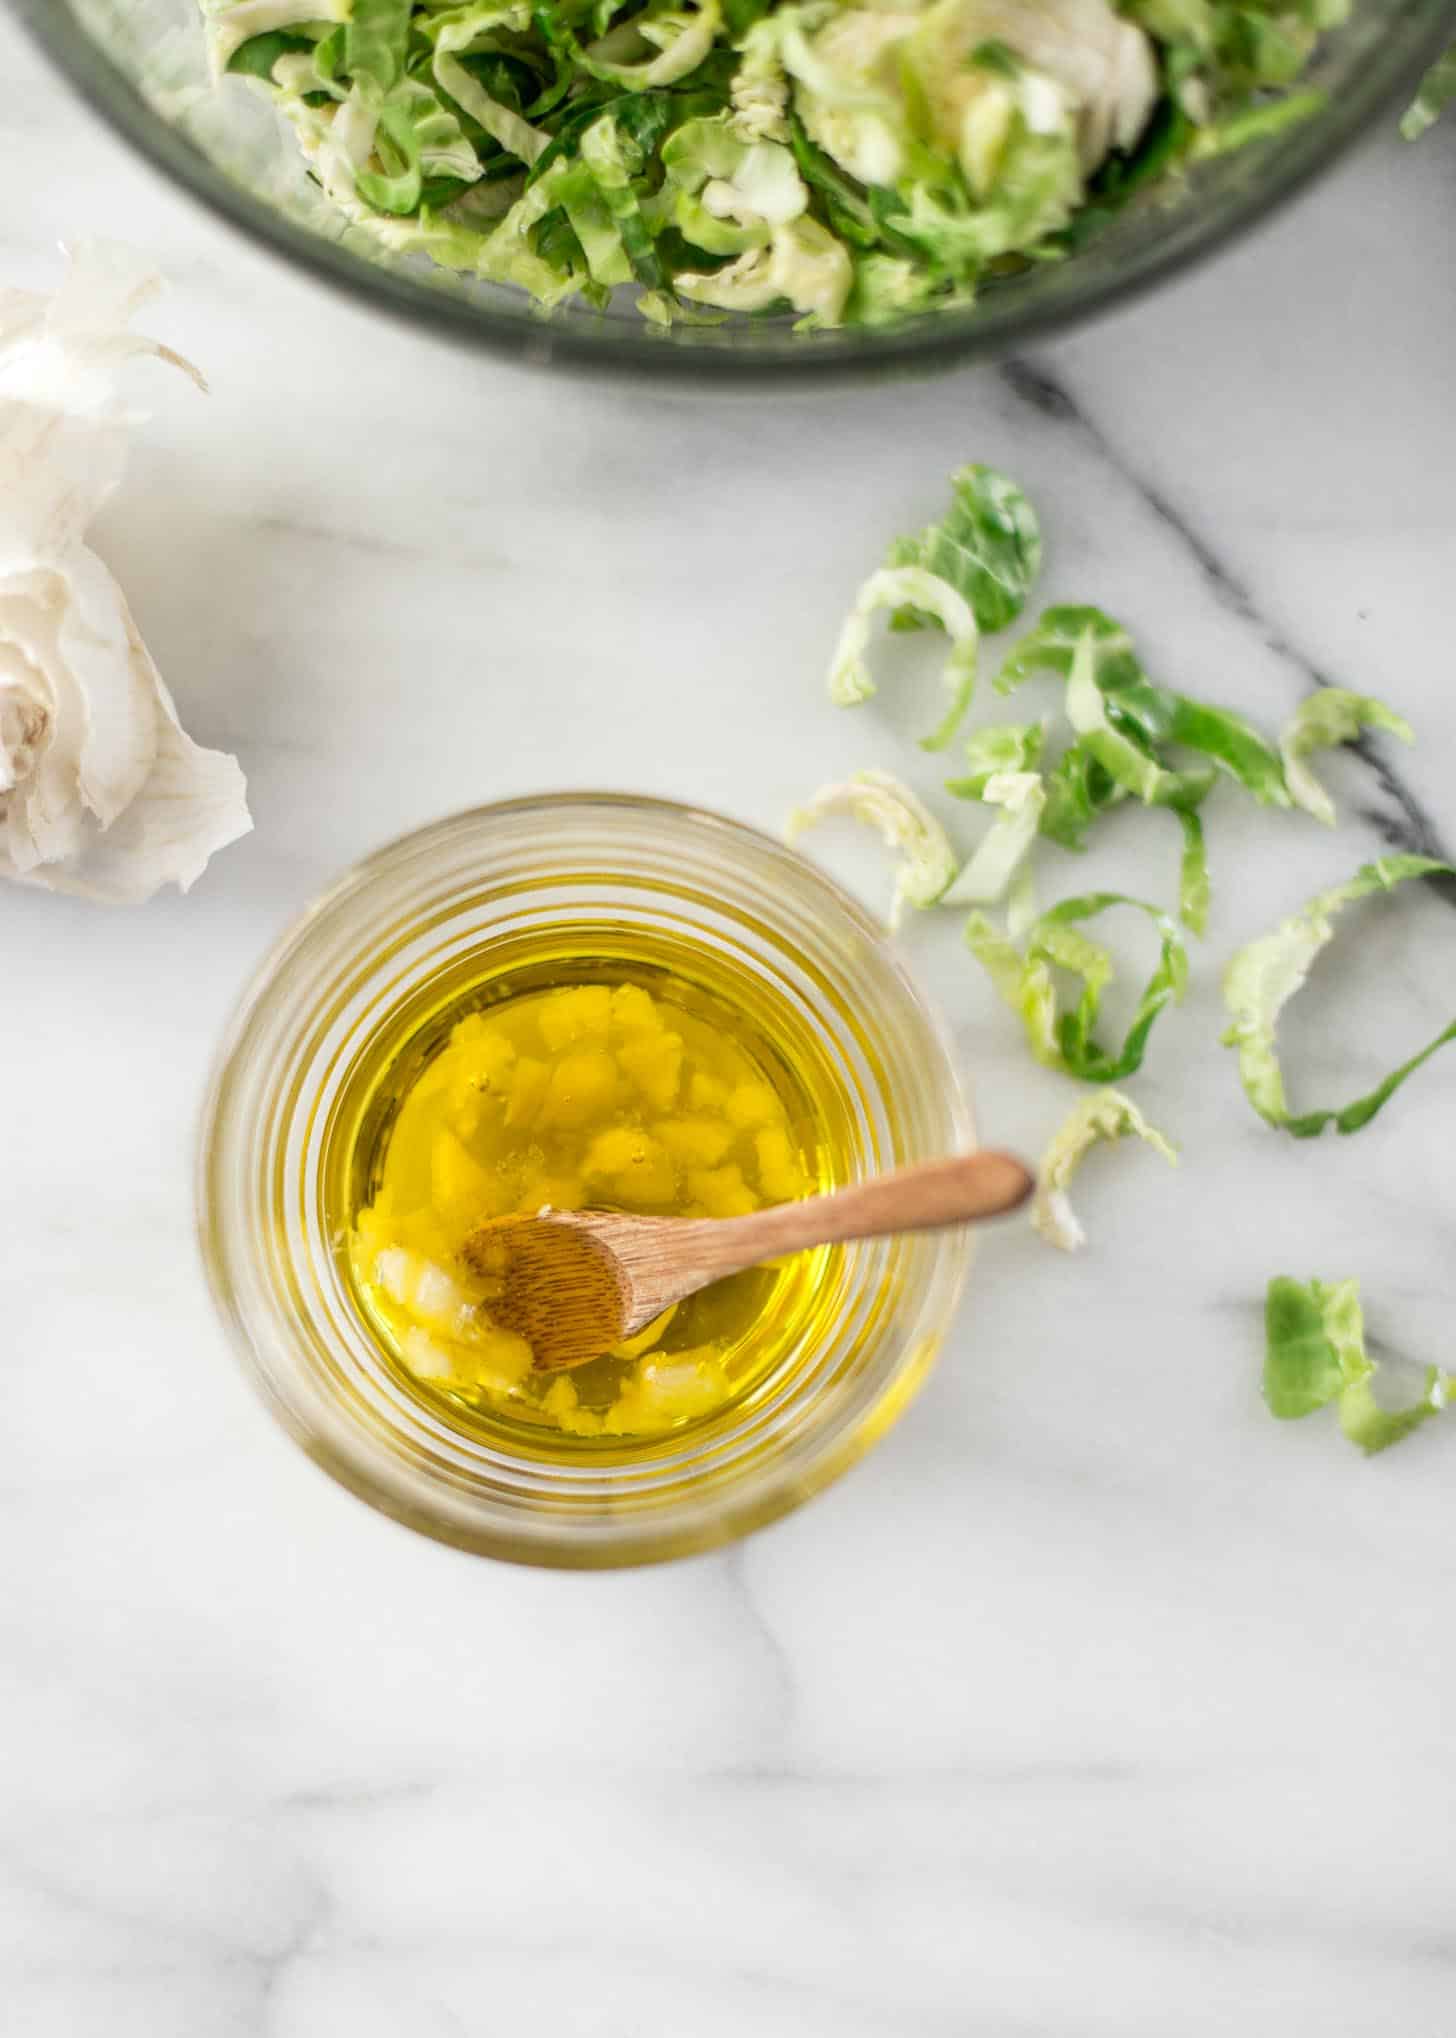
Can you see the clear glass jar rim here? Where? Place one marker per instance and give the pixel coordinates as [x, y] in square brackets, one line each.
[773, 1489]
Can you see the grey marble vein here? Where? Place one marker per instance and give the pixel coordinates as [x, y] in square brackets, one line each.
[1404, 823]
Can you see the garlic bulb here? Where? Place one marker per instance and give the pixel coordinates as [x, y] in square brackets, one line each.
[101, 792]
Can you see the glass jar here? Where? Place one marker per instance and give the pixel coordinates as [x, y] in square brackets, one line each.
[281, 1133]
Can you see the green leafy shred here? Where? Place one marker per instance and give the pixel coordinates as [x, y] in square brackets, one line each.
[1322, 722]
[927, 861]
[999, 747]
[1259, 123]
[869, 164]
[1315, 1353]
[376, 42]
[987, 545]
[1129, 763]
[893, 587]
[1024, 976]
[1264, 976]
[1314, 1344]
[1193, 885]
[1126, 731]
[1151, 718]
[968, 573]
[1079, 791]
[1435, 91]
[1000, 859]
[231, 24]
[1106, 1115]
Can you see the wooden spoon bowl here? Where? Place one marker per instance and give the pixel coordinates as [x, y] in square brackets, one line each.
[576, 1282]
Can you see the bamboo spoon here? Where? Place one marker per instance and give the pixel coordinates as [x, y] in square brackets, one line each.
[577, 1282]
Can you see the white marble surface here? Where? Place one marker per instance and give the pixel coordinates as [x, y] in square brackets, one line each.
[1096, 1702]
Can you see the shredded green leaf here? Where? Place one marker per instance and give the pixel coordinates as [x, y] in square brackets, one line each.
[1128, 763]
[1108, 1115]
[988, 546]
[232, 23]
[927, 861]
[1127, 728]
[969, 572]
[1264, 976]
[1000, 746]
[1079, 791]
[1001, 855]
[1193, 886]
[849, 675]
[376, 41]
[1257, 124]
[1315, 1353]
[1152, 718]
[1314, 1342]
[1024, 977]
[1321, 722]
[1436, 90]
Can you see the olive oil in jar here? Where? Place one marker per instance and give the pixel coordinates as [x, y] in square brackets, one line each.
[657, 1079]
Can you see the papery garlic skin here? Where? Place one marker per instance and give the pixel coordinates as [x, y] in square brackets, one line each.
[101, 792]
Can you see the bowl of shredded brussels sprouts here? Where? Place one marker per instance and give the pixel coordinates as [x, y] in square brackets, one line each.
[743, 188]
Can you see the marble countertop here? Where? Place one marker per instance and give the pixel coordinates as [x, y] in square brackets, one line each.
[1095, 1702]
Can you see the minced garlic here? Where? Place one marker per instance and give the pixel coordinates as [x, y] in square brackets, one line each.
[601, 1095]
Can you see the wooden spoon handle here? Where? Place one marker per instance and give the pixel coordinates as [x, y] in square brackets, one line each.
[929, 1197]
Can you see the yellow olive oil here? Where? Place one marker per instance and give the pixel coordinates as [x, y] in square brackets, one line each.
[656, 1077]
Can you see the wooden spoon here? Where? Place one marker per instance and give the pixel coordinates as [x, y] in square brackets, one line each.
[579, 1281]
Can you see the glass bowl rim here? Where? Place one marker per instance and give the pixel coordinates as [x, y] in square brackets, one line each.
[650, 1542]
[938, 342]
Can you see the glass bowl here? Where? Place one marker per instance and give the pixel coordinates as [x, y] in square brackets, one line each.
[142, 64]
[279, 1140]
